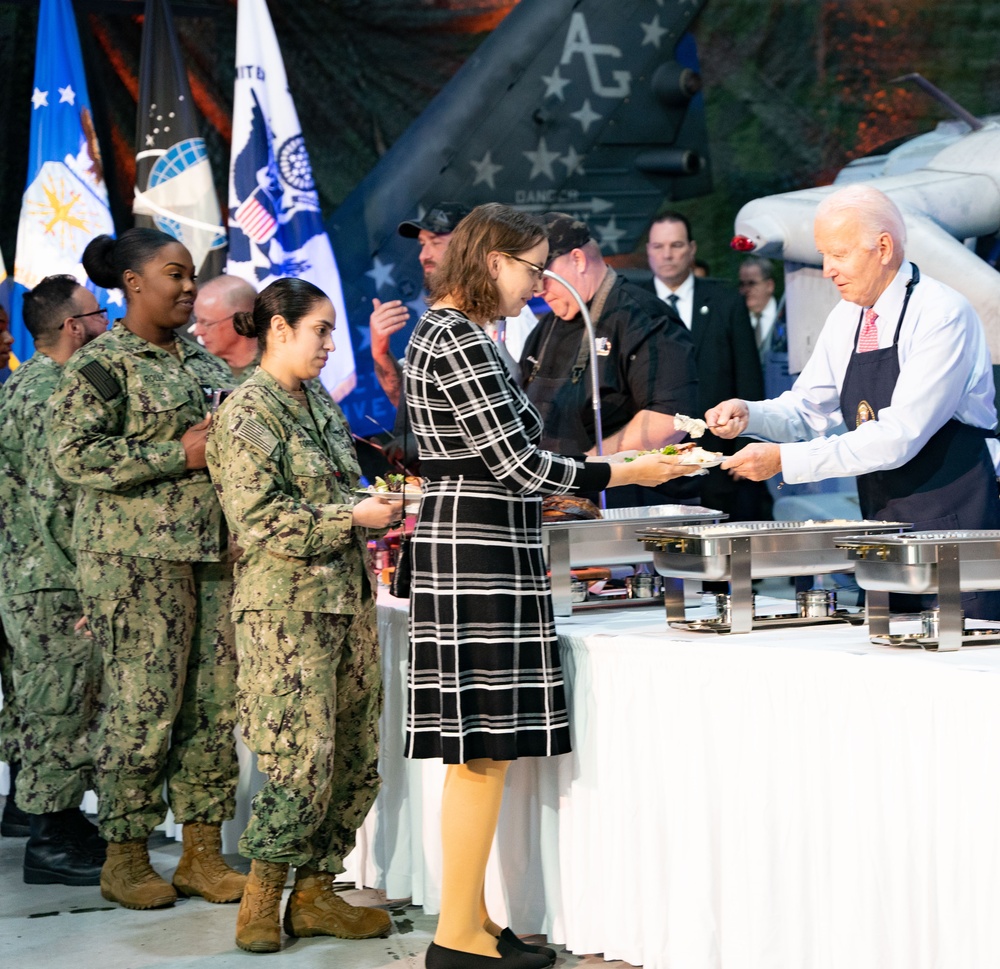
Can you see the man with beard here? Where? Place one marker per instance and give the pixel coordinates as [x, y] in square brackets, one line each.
[56, 669]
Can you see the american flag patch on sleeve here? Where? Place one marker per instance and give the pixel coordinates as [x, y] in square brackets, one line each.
[256, 435]
[106, 386]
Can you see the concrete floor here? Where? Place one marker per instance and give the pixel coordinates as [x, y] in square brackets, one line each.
[56, 927]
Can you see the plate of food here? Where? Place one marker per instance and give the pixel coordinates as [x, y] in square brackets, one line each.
[689, 453]
[395, 487]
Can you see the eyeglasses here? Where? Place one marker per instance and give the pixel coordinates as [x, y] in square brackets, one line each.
[537, 272]
[749, 283]
[207, 325]
[82, 316]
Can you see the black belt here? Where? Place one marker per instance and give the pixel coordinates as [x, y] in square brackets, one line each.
[474, 468]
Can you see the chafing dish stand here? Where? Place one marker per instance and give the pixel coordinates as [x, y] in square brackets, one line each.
[739, 552]
[608, 541]
[946, 562]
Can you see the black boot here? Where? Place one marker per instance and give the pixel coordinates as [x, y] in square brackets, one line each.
[14, 823]
[84, 833]
[53, 857]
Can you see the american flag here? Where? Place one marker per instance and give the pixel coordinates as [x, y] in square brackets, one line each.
[256, 218]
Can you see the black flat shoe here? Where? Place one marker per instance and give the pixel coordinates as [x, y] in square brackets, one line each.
[511, 957]
[508, 938]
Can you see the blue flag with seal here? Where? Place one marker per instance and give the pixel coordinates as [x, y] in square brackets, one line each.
[275, 225]
[65, 204]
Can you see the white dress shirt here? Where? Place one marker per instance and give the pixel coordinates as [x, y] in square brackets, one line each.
[945, 372]
[684, 294]
[764, 324]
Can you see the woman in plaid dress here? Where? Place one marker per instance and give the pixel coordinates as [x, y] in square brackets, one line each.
[485, 684]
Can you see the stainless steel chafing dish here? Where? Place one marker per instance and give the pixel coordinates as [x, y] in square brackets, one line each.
[947, 563]
[608, 541]
[739, 552]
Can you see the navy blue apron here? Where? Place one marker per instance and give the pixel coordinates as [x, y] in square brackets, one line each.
[951, 483]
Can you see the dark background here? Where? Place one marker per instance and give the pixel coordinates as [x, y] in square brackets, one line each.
[794, 88]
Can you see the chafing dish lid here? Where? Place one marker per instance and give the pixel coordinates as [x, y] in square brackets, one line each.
[741, 529]
[957, 536]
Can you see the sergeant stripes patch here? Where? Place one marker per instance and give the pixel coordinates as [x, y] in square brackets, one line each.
[256, 434]
[105, 385]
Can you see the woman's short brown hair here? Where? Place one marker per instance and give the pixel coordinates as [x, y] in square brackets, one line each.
[464, 274]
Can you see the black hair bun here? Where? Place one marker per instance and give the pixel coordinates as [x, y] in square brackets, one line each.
[244, 325]
[98, 261]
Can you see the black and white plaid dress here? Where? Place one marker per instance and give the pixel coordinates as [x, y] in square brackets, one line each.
[484, 677]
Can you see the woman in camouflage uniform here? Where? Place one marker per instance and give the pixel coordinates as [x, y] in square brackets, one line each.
[283, 462]
[128, 427]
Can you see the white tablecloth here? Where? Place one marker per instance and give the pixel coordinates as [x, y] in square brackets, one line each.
[795, 799]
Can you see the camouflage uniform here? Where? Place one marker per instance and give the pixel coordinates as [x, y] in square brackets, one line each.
[150, 547]
[56, 671]
[10, 730]
[310, 678]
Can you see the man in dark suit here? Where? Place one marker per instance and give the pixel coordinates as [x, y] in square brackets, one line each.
[725, 352]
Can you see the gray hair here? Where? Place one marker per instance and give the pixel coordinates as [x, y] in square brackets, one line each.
[873, 210]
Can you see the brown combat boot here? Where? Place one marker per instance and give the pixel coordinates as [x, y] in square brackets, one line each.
[258, 922]
[128, 878]
[314, 908]
[202, 870]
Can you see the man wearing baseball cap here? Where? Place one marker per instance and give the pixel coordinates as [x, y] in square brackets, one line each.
[645, 354]
[433, 232]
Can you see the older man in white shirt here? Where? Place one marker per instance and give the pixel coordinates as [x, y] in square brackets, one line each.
[903, 361]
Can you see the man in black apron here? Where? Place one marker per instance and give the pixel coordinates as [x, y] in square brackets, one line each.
[903, 360]
[645, 356]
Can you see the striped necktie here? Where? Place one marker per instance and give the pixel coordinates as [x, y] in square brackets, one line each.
[869, 333]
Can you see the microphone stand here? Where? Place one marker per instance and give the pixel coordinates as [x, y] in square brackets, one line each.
[595, 392]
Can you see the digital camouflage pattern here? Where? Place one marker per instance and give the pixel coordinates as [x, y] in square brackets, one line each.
[170, 677]
[310, 699]
[55, 672]
[310, 679]
[115, 426]
[57, 682]
[286, 475]
[10, 722]
[36, 505]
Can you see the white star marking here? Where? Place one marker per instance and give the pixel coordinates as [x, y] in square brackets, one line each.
[573, 162]
[150, 141]
[40, 99]
[67, 95]
[541, 160]
[652, 32]
[485, 170]
[586, 116]
[381, 273]
[554, 84]
[610, 234]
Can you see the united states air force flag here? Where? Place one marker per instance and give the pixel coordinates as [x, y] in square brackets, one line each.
[65, 204]
[275, 226]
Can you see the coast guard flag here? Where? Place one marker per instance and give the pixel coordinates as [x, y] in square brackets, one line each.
[65, 204]
[275, 227]
[174, 190]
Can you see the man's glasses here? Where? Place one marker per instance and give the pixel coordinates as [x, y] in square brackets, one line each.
[749, 283]
[82, 316]
[208, 324]
[537, 272]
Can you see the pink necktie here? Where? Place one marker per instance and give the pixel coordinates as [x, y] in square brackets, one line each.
[869, 333]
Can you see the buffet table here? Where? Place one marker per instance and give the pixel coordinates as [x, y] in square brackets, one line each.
[792, 798]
